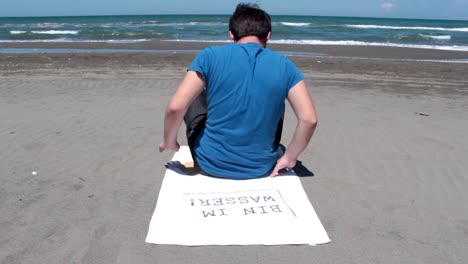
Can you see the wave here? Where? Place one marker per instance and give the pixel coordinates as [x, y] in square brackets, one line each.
[362, 43]
[408, 28]
[150, 22]
[444, 37]
[292, 24]
[282, 41]
[122, 41]
[162, 24]
[56, 32]
[341, 43]
[48, 32]
[49, 25]
[16, 32]
[194, 23]
[37, 25]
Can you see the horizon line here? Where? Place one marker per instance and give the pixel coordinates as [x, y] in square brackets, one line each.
[220, 14]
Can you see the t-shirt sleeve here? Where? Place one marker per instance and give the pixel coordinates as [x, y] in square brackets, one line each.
[200, 63]
[294, 74]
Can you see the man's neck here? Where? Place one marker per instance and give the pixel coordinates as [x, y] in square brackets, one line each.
[250, 39]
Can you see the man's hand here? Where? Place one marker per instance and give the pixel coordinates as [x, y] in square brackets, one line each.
[283, 163]
[303, 107]
[173, 146]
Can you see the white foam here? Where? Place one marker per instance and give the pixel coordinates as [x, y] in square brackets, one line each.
[15, 32]
[149, 22]
[56, 32]
[409, 28]
[49, 25]
[35, 40]
[191, 24]
[292, 24]
[361, 43]
[123, 41]
[282, 41]
[445, 37]
[339, 43]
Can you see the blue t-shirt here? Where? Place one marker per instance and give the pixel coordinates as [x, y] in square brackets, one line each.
[246, 88]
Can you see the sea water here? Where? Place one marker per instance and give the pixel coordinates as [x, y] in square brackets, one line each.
[296, 30]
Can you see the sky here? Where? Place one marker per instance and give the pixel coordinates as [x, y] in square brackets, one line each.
[427, 9]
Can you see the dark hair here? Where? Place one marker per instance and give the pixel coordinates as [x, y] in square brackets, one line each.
[250, 20]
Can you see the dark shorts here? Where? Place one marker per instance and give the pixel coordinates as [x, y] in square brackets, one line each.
[195, 120]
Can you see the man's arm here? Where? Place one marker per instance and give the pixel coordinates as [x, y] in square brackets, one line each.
[302, 105]
[190, 87]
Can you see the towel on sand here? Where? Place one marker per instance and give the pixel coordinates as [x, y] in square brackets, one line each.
[195, 210]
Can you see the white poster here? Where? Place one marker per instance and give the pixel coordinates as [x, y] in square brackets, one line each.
[200, 210]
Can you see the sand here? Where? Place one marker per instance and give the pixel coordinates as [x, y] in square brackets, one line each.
[388, 158]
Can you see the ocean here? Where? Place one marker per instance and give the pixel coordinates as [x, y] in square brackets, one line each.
[297, 30]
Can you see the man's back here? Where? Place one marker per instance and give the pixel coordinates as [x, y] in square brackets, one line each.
[246, 88]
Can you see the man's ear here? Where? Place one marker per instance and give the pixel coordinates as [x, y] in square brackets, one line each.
[232, 36]
[268, 36]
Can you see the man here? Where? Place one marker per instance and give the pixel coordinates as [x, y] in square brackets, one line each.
[237, 135]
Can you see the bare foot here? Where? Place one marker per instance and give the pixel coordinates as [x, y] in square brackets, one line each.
[189, 164]
[186, 168]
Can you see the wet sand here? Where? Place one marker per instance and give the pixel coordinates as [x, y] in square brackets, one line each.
[388, 158]
[325, 50]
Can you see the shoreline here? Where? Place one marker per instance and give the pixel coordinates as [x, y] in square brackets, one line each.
[377, 52]
[79, 64]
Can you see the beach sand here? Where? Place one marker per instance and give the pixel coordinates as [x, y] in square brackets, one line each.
[388, 157]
